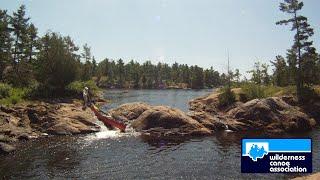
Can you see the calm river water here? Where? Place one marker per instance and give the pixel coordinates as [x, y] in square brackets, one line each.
[110, 155]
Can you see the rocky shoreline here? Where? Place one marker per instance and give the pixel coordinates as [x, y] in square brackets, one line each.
[270, 115]
[40, 119]
[273, 115]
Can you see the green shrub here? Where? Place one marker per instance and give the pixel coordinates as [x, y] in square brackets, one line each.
[76, 87]
[45, 91]
[4, 90]
[253, 91]
[15, 96]
[226, 97]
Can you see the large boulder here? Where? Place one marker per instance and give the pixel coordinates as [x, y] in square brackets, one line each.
[208, 103]
[69, 128]
[159, 120]
[14, 124]
[23, 122]
[129, 111]
[33, 120]
[272, 114]
[61, 119]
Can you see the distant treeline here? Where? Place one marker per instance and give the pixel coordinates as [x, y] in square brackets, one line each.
[48, 64]
[147, 75]
[53, 61]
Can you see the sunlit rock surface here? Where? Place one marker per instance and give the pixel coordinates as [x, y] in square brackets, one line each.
[159, 120]
[271, 115]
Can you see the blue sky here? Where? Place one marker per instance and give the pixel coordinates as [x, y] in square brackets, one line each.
[186, 31]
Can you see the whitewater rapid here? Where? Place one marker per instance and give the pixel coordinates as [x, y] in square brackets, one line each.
[106, 133]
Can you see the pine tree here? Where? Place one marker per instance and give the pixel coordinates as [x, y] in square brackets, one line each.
[264, 73]
[21, 66]
[31, 42]
[174, 72]
[302, 45]
[120, 73]
[57, 66]
[86, 55]
[197, 77]
[94, 66]
[87, 68]
[237, 75]
[5, 42]
[281, 71]
[256, 74]
[20, 30]
[292, 66]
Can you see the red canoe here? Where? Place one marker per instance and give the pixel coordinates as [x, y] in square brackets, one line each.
[107, 121]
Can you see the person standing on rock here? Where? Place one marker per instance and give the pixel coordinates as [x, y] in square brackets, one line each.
[86, 97]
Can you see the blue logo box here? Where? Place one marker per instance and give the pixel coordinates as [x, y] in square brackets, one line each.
[276, 156]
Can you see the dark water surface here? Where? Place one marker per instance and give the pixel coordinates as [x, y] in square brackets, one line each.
[110, 155]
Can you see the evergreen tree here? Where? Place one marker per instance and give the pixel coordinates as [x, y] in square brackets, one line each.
[237, 75]
[31, 42]
[302, 45]
[196, 77]
[57, 66]
[256, 75]
[264, 73]
[292, 66]
[120, 73]
[5, 42]
[175, 72]
[94, 66]
[21, 66]
[280, 73]
[20, 30]
[259, 74]
[87, 68]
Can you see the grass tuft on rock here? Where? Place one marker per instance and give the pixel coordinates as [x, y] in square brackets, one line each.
[226, 97]
[251, 91]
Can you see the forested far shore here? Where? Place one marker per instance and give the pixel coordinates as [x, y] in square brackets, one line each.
[51, 62]
[111, 74]
[52, 65]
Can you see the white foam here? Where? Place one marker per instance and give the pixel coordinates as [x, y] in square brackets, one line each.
[105, 133]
